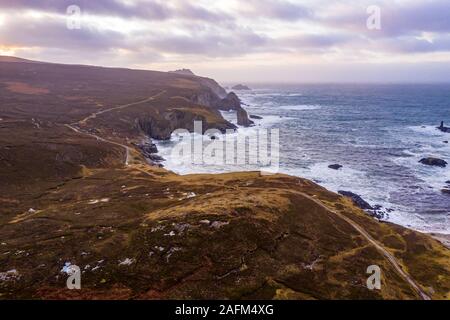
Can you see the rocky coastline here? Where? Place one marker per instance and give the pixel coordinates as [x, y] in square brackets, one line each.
[80, 192]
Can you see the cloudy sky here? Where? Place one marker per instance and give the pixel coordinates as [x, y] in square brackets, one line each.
[239, 40]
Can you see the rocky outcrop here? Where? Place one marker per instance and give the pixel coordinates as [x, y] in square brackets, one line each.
[357, 200]
[376, 211]
[443, 128]
[206, 98]
[430, 161]
[242, 118]
[214, 86]
[335, 166]
[206, 82]
[232, 102]
[186, 72]
[240, 87]
[161, 128]
[214, 96]
[149, 151]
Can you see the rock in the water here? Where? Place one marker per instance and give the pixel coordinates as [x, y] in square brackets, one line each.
[376, 211]
[434, 162]
[357, 200]
[252, 116]
[443, 128]
[335, 166]
[445, 141]
[379, 212]
[242, 118]
[149, 151]
[240, 87]
[446, 191]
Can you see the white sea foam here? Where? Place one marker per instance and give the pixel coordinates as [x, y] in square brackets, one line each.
[425, 141]
[301, 107]
[416, 141]
[373, 191]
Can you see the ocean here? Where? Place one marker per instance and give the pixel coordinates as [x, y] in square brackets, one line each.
[377, 132]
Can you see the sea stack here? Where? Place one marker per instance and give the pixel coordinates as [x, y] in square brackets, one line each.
[443, 128]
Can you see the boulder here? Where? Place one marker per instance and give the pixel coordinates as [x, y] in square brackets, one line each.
[335, 166]
[430, 161]
[357, 200]
[149, 151]
[443, 128]
[242, 118]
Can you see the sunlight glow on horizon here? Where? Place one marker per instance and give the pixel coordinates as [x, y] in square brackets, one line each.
[230, 36]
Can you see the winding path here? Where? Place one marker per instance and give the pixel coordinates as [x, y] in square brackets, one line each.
[92, 116]
[393, 261]
[117, 108]
[127, 148]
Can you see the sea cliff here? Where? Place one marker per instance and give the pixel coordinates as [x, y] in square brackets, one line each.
[76, 190]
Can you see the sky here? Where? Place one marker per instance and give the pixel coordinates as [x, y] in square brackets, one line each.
[239, 40]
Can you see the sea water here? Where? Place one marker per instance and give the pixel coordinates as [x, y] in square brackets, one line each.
[377, 132]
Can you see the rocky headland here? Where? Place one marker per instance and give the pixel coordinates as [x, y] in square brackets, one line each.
[77, 189]
[240, 87]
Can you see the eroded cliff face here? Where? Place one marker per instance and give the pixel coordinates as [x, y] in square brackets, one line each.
[214, 86]
[161, 128]
[216, 97]
[242, 118]
[230, 102]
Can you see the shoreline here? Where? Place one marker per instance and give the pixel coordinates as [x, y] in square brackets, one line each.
[442, 237]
